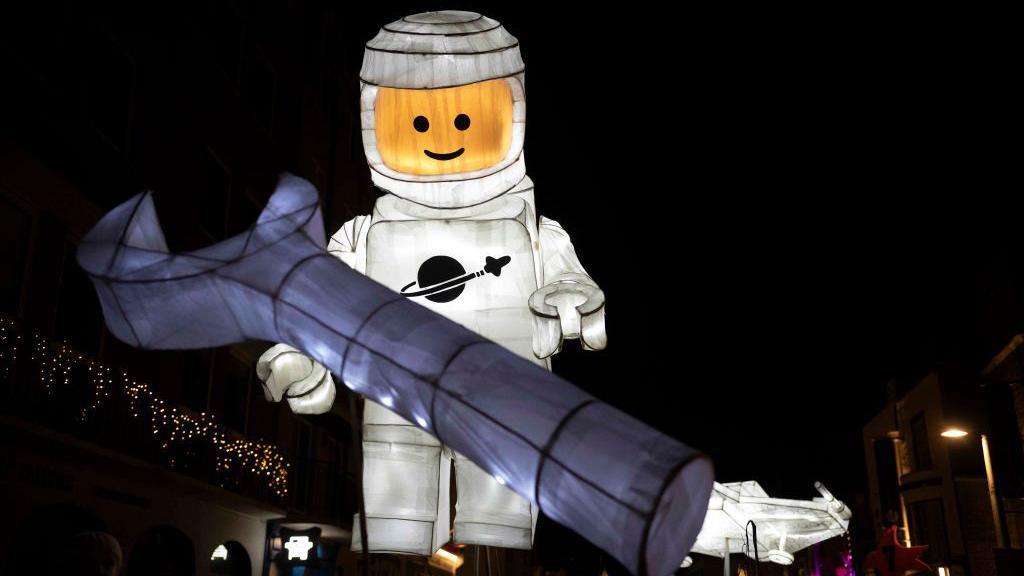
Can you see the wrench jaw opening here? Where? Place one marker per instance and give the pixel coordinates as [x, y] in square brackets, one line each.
[124, 241]
[107, 250]
[211, 291]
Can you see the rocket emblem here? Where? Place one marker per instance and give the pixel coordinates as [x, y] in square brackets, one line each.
[442, 278]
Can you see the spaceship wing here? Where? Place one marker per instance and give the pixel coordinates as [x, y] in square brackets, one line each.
[784, 526]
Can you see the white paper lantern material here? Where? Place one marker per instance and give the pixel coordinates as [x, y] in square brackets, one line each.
[784, 526]
[440, 49]
[629, 489]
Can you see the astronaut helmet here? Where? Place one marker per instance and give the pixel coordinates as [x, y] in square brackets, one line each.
[443, 110]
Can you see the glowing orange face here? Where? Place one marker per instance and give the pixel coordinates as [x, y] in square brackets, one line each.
[445, 130]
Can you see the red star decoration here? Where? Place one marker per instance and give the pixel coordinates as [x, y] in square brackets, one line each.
[893, 559]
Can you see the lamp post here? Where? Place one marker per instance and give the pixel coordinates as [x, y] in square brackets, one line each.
[897, 450]
[997, 519]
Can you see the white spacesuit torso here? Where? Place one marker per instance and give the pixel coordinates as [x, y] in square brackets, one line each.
[411, 249]
[394, 245]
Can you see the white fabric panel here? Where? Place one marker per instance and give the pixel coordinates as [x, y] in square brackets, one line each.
[491, 305]
[509, 520]
[290, 374]
[438, 70]
[569, 305]
[406, 474]
[342, 244]
[440, 49]
[487, 512]
[784, 526]
[447, 22]
[395, 536]
[517, 204]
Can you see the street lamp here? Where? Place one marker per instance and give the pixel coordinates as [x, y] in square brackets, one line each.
[997, 520]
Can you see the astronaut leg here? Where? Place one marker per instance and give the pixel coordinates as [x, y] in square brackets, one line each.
[406, 480]
[489, 513]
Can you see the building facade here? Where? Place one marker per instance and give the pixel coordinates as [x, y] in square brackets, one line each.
[175, 454]
[1002, 383]
[932, 487]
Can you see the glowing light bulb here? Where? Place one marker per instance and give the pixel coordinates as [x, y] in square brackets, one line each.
[219, 553]
[298, 547]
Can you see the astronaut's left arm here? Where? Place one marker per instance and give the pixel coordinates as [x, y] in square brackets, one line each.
[569, 304]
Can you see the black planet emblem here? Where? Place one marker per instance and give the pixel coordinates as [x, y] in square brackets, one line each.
[442, 278]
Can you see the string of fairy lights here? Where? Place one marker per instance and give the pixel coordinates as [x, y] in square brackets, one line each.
[175, 430]
[847, 556]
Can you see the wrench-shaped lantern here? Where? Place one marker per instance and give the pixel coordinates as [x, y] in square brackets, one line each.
[626, 487]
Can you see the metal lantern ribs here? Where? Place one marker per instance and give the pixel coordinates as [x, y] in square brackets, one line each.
[626, 487]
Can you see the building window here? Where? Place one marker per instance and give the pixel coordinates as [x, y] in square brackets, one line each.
[33, 37]
[242, 213]
[214, 189]
[299, 489]
[15, 233]
[111, 91]
[264, 416]
[195, 391]
[230, 389]
[230, 559]
[928, 526]
[224, 26]
[259, 86]
[919, 442]
[79, 318]
[162, 550]
[319, 178]
[888, 482]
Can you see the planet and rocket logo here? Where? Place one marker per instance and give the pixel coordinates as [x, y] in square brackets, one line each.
[442, 278]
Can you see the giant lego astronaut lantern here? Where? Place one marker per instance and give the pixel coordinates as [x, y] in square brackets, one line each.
[443, 123]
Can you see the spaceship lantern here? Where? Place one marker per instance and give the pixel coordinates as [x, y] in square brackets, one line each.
[626, 487]
[784, 526]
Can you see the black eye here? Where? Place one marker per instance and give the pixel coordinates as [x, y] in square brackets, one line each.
[462, 121]
[421, 124]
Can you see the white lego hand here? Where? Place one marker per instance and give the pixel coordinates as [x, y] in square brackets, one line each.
[304, 382]
[570, 307]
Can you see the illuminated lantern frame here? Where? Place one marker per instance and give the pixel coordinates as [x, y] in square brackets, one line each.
[629, 489]
[783, 526]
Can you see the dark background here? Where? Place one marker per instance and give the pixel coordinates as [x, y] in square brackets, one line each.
[786, 207]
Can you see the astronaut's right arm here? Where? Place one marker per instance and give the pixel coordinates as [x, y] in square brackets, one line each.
[348, 241]
[289, 374]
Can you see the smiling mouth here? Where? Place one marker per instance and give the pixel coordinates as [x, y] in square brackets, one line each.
[446, 156]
